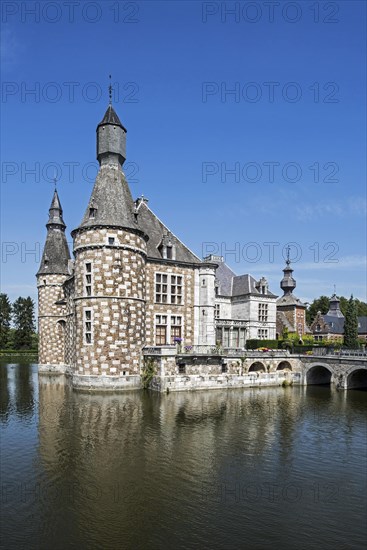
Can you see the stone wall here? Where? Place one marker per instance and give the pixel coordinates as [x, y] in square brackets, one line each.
[185, 372]
[185, 310]
[116, 302]
[51, 321]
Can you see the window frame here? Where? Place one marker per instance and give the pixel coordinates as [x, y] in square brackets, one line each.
[168, 288]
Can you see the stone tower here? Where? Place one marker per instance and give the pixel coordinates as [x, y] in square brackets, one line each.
[334, 307]
[291, 312]
[288, 284]
[51, 275]
[110, 258]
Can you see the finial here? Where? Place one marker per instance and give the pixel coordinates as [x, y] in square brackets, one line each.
[335, 290]
[55, 180]
[288, 251]
[110, 90]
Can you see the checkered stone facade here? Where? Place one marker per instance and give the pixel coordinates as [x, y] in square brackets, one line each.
[51, 320]
[116, 302]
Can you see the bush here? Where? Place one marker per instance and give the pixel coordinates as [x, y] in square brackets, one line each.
[256, 343]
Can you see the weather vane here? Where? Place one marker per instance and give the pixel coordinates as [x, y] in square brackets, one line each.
[110, 90]
[335, 290]
[288, 250]
[55, 180]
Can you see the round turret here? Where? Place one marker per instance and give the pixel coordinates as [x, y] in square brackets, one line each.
[111, 139]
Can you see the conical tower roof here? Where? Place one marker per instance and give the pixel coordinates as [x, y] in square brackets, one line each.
[56, 254]
[111, 203]
[111, 117]
[55, 212]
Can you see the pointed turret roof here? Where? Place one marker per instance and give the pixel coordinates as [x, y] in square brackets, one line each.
[56, 254]
[111, 117]
[55, 212]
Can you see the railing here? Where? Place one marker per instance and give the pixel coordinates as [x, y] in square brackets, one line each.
[212, 350]
[344, 352]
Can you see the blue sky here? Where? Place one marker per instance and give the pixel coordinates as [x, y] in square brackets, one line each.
[246, 129]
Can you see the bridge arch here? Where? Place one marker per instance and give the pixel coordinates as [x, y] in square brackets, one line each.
[356, 378]
[318, 374]
[258, 366]
[284, 365]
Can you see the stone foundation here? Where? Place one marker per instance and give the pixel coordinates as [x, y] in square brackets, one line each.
[220, 381]
[53, 369]
[106, 383]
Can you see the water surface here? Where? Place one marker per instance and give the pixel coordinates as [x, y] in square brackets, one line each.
[281, 468]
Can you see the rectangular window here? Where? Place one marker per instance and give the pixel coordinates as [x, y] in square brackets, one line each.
[182, 368]
[168, 289]
[160, 330]
[262, 333]
[88, 279]
[161, 288]
[217, 311]
[176, 325]
[242, 339]
[226, 338]
[176, 289]
[235, 338]
[88, 338]
[111, 241]
[263, 312]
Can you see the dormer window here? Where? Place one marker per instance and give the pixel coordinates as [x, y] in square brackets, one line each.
[318, 328]
[92, 213]
[167, 247]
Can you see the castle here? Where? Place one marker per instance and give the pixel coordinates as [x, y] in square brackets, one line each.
[133, 284]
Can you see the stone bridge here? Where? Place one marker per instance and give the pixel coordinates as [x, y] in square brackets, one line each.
[345, 371]
[209, 368]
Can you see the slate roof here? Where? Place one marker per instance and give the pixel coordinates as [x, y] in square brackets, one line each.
[363, 322]
[334, 307]
[224, 276]
[55, 212]
[232, 285]
[111, 117]
[112, 201]
[246, 284]
[155, 229]
[56, 254]
[289, 300]
[336, 324]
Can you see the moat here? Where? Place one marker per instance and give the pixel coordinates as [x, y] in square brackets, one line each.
[250, 468]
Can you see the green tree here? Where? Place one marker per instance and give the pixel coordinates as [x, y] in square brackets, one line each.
[320, 304]
[23, 318]
[361, 308]
[351, 325]
[5, 320]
